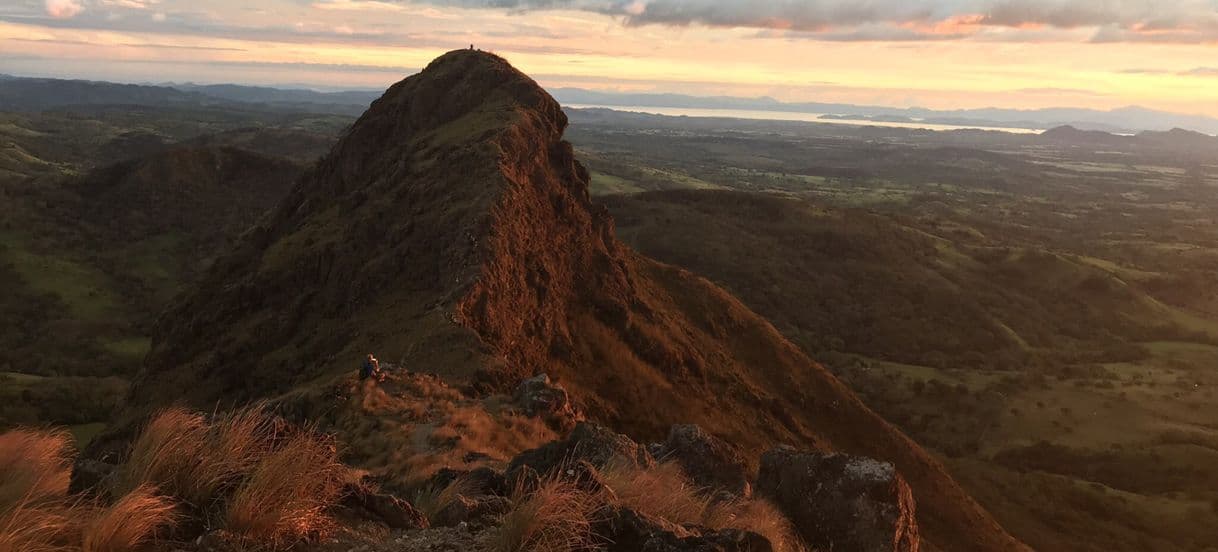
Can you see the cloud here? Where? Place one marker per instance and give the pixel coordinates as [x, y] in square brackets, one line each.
[1183, 21]
[63, 9]
[1203, 72]
[129, 4]
[1194, 72]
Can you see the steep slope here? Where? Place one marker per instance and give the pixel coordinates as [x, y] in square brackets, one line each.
[88, 262]
[451, 229]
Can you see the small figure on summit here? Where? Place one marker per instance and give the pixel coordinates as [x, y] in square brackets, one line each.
[371, 368]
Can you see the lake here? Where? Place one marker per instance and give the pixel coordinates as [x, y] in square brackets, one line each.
[790, 116]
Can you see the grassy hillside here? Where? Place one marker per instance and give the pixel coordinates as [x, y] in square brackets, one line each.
[1039, 370]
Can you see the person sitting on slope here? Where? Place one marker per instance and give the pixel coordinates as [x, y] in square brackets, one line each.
[371, 368]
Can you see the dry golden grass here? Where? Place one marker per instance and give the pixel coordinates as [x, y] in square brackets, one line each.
[35, 468]
[29, 527]
[270, 485]
[557, 517]
[431, 499]
[665, 492]
[285, 498]
[130, 523]
[195, 461]
[167, 454]
[35, 465]
[761, 517]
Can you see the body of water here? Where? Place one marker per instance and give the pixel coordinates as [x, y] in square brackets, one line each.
[790, 116]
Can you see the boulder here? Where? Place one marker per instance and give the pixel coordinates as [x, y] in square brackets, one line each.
[523, 479]
[393, 511]
[477, 509]
[482, 480]
[539, 397]
[592, 443]
[707, 460]
[587, 478]
[626, 530]
[841, 502]
[90, 477]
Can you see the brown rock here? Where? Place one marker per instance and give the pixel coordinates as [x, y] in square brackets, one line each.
[707, 460]
[841, 502]
[391, 510]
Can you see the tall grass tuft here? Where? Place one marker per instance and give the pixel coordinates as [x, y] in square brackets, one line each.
[29, 527]
[762, 517]
[285, 498]
[130, 523]
[433, 499]
[35, 466]
[167, 455]
[665, 492]
[557, 517]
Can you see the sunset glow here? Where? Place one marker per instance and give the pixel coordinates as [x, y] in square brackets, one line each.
[1017, 53]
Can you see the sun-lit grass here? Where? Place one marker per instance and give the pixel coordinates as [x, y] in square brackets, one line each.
[35, 466]
[167, 454]
[130, 522]
[665, 492]
[27, 526]
[557, 517]
[247, 470]
[433, 499]
[285, 499]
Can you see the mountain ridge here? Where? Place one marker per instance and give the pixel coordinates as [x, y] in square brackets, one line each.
[451, 228]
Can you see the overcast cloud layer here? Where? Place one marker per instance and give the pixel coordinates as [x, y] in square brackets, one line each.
[1112, 20]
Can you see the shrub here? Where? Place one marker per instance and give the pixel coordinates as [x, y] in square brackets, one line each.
[285, 498]
[35, 466]
[557, 517]
[129, 523]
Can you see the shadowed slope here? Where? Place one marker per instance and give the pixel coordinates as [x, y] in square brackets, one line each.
[451, 228]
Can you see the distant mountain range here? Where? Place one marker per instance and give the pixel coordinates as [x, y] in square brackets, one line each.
[1124, 120]
[34, 94]
[38, 94]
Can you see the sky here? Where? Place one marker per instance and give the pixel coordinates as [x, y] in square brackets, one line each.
[941, 54]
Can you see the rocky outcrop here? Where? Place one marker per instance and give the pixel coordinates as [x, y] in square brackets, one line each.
[482, 481]
[841, 502]
[588, 442]
[707, 460]
[389, 509]
[626, 530]
[477, 509]
[90, 477]
[537, 396]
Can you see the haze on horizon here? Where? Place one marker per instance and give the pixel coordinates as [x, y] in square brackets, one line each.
[939, 54]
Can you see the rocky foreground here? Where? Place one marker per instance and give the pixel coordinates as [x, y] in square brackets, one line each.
[821, 501]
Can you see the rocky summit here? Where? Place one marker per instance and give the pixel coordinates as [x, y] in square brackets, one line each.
[450, 232]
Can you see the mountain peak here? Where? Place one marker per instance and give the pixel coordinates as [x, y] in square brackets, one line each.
[450, 232]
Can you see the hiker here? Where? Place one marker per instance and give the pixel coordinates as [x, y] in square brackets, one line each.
[370, 368]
